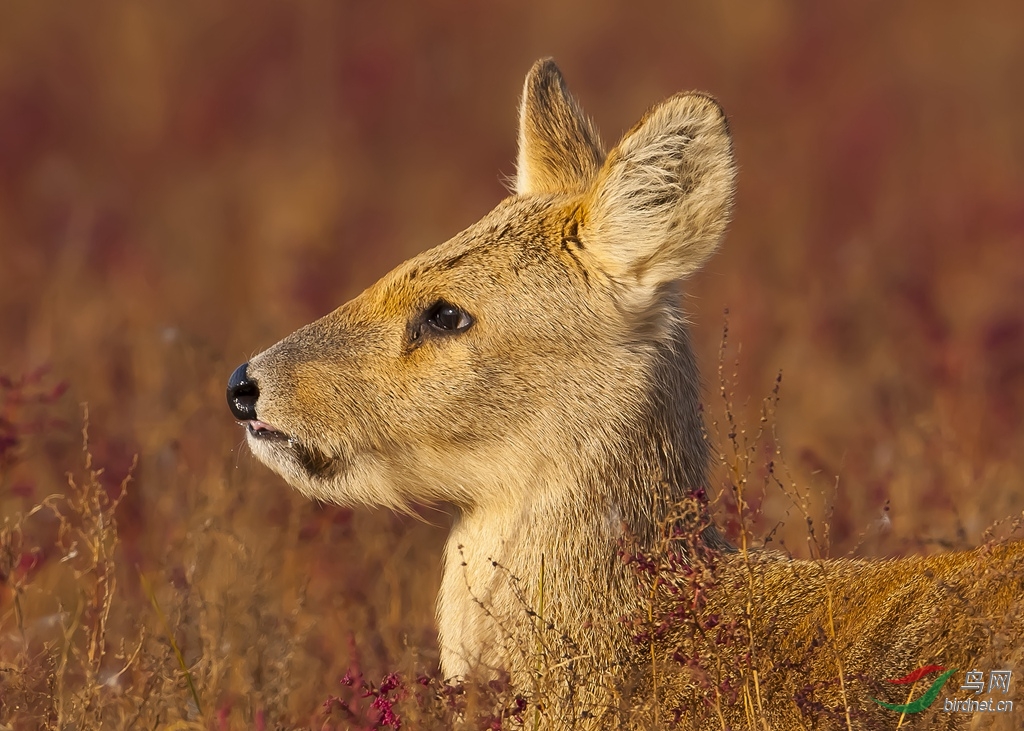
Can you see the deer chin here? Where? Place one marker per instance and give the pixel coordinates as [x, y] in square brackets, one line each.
[331, 477]
[300, 462]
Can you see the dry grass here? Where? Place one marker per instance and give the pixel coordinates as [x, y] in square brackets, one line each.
[88, 642]
[179, 187]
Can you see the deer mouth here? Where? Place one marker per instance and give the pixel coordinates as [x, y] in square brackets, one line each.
[270, 444]
[262, 430]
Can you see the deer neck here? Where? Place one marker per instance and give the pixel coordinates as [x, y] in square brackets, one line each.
[550, 562]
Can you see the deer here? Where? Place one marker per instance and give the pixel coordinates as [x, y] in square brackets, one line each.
[535, 372]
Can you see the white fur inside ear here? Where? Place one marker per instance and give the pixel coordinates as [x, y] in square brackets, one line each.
[662, 200]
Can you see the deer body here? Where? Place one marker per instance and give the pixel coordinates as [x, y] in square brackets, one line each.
[535, 371]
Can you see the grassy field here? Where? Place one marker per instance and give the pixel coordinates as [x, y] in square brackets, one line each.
[181, 185]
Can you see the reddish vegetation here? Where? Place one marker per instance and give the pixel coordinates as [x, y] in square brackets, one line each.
[182, 185]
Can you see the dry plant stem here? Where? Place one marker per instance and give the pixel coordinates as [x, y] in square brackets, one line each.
[151, 595]
[654, 660]
[739, 467]
[839, 661]
[87, 534]
[540, 646]
[69, 633]
[13, 540]
[910, 694]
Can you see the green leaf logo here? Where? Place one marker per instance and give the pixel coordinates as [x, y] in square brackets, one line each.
[927, 698]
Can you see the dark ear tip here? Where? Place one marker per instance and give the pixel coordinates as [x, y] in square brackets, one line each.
[547, 62]
[543, 72]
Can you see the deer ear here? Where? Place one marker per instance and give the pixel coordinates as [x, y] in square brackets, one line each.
[559, 149]
[662, 200]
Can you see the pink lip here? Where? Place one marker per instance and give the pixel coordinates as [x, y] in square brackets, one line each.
[261, 427]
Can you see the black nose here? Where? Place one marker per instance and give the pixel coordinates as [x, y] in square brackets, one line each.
[242, 394]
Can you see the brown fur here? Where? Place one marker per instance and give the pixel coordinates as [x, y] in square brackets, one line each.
[565, 420]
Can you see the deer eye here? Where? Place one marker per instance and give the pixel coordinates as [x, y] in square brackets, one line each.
[446, 317]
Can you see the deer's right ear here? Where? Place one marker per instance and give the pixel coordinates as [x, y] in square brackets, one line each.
[662, 200]
[559, 149]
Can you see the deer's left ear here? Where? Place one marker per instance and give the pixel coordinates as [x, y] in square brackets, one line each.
[662, 200]
[559, 149]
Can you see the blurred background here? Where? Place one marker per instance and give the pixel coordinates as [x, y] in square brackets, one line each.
[182, 184]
